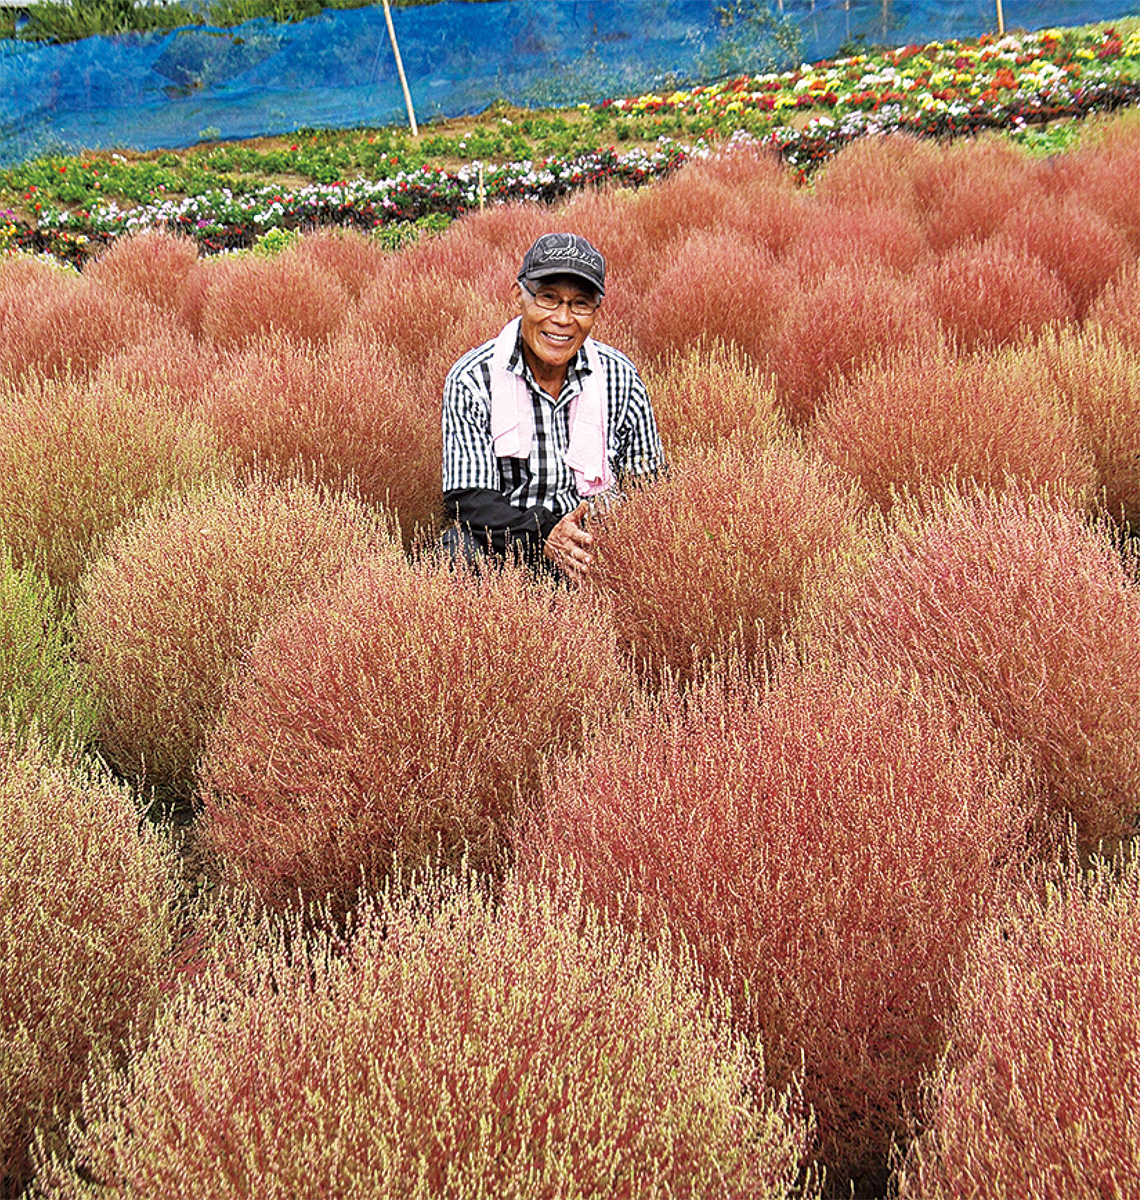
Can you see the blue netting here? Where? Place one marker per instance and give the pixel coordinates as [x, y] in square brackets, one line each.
[337, 70]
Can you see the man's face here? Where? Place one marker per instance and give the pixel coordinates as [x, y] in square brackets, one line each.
[554, 335]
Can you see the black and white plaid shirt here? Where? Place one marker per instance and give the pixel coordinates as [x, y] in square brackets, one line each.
[541, 486]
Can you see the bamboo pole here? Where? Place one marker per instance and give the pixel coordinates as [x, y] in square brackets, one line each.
[400, 69]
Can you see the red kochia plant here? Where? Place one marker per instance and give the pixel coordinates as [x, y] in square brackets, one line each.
[428, 319]
[709, 392]
[1099, 378]
[152, 265]
[78, 458]
[742, 191]
[852, 315]
[400, 715]
[171, 361]
[716, 285]
[248, 296]
[713, 559]
[1102, 174]
[875, 172]
[1117, 309]
[964, 191]
[883, 235]
[1081, 248]
[346, 415]
[354, 258]
[993, 293]
[183, 589]
[484, 249]
[1014, 599]
[1038, 1093]
[449, 1049]
[86, 925]
[59, 323]
[919, 420]
[826, 849]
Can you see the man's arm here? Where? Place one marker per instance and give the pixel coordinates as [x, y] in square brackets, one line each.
[502, 526]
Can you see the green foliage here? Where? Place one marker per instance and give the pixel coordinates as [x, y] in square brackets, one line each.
[403, 233]
[55, 21]
[1044, 140]
[41, 684]
[273, 241]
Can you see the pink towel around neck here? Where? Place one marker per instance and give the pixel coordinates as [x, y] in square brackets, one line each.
[512, 418]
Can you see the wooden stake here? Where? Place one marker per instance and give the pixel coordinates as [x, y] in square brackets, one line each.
[400, 69]
[1001, 19]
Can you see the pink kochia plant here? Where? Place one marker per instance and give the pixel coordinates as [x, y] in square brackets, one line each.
[398, 716]
[917, 421]
[1038, 1092]
[449, 1048]
[347, 415]
[56, 323]
[153, 265]
[1098, 377]
[1117, 309]
[1023, 606]
[86, 906]
[713, 559]
[241, 299]
[852, 315]
[994, 293]
[826, 849]
[77, 458]
[710, 391]
[184, 589]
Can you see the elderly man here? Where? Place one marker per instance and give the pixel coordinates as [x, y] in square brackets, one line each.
[542, 423]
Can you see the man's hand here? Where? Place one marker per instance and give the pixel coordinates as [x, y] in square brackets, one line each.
[569, 545]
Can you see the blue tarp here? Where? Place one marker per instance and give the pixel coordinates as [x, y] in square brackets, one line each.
[337, 70]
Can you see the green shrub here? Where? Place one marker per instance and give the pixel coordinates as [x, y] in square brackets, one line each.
[41, 683]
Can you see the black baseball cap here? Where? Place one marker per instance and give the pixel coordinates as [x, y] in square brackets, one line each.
[564, 254]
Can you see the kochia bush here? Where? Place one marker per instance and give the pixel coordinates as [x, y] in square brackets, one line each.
[86, 925]
[1021, 605]
[42, 686]
[58, 323]
[1038, 1093]
[183, 590]
[399, 716]
[709, 392]
[993, 293]
[447, 1050]
[244, 297]
[713, 284]
[916, 421]
[1081, 248]
[1117, 309]
[826, 849]
[152, 265]
[77, 458]
[713, 559]
[854, 314]
[347, 415]
[1098, 376]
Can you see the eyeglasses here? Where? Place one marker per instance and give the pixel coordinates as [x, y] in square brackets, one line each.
[550, 300]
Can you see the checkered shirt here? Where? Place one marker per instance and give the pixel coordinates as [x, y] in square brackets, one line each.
[469, 461]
